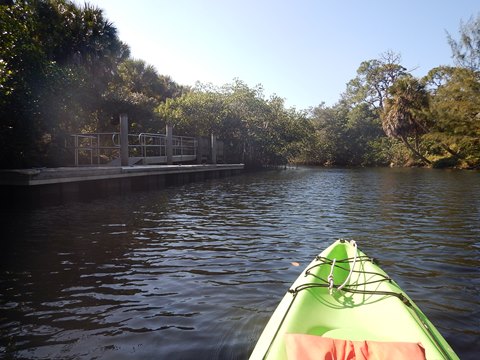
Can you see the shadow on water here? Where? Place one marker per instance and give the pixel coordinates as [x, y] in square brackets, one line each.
[195, 271]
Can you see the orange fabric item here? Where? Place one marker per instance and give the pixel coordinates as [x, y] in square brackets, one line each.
[309, 347]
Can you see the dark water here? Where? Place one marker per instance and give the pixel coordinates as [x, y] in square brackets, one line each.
[194, 272]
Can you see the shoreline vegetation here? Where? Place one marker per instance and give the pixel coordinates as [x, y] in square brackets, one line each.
[64, 70]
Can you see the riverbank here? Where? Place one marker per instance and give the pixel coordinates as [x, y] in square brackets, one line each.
[438, 163]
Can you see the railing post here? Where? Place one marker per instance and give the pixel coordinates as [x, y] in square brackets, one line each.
[76, 149]
[91, 151]
[214, 148]
[181, 147]
[98, 149]
[169, 133]
[124, 139]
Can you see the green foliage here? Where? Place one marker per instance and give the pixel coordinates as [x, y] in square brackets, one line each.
[330, 136]
[194, 113]
[455, 112]
[344, 135]
[64, 70]
[364, 128]
[374, 78]
[388, 152]
[350, 133]
[466, 51]
[403, 115]
[456, 101]
[255, 130]
[54, 59]
[137, 89]
[24, 73]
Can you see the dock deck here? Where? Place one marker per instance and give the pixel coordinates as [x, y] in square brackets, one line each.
[46, 186]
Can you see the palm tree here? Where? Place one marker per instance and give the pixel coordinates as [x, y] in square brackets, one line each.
[403, 117]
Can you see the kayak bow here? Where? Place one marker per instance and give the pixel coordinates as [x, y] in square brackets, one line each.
[343, 297]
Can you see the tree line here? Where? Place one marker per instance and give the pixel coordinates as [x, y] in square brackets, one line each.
[64, 70]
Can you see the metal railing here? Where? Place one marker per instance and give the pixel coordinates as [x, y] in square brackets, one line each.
[104, 148]
[94, 147]
[152, 144]
[184, 146]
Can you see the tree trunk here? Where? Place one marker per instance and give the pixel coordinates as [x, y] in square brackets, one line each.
[450, 151]
[412, 149]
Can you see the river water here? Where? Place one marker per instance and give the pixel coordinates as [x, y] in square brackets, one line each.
[195, 271]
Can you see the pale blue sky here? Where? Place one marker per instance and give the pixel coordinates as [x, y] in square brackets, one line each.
[304, 50]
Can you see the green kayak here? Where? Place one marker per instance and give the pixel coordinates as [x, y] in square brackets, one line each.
[344, 306]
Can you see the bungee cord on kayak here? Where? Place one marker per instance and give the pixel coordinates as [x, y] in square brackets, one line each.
[357, 287]
[330, 277]
[329, 282]
[335, 264]
[352, 267]
[348, 298]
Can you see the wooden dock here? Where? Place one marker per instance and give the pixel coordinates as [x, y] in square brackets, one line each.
[53, 186]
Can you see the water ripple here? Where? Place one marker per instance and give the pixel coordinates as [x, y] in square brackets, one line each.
[195, 271]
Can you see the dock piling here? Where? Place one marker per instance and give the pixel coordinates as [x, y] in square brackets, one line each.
[124, 139]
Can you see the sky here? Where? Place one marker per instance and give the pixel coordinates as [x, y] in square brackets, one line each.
[304, 51]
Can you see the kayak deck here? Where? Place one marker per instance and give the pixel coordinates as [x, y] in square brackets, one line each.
[343, 294]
